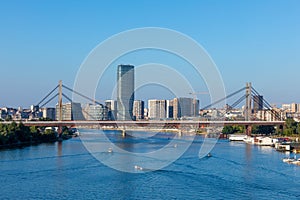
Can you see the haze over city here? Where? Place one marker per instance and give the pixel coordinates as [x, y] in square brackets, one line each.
[43, 42]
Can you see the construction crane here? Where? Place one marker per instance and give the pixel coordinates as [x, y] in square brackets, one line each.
[197, 93]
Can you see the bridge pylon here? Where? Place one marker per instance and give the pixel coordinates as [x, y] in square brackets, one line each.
[248, 107]
[60, 106]
[60, 100]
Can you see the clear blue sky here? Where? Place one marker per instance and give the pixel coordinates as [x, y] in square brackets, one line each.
[44, 41]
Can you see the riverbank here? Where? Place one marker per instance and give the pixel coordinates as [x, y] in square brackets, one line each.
[33, 143]
[17, 135]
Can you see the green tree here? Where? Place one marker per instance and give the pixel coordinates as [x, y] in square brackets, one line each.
[228, 130]
[23, 133]
[12, 126]
[33, 129]
[48, 135]
[35, 133]
[298, 128]
[11, 133]
[288, 131]
[290, 127]
[264, 130]
[239, 129]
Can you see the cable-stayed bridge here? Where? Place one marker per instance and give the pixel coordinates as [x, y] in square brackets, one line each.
[249, 95]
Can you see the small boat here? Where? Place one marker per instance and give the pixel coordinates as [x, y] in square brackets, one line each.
[288, 160]
[76, 134]
[110, 150]
[296, 162]
[249, 140]
[208, 155]
[263, 141]
[292, 160]
[237, 137]
[138, 167]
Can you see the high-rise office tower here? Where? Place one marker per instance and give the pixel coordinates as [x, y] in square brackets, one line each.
[195, 109]
[111, 106]
[257, 103]
[185, 107]
[138, 109]
[157, 109]
[70, 111]
[125, 92]
[293, 107]
[48, 113]
[95, 112]
[170, 109]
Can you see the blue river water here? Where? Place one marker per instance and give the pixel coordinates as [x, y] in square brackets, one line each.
[67, 170]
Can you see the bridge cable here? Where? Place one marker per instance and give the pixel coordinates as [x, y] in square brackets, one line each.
[92, 100]
[270, 110]
[234, 104]
[47, 95]
[238, 101]
[67, 97]
[266, 104]
[81, 109]
[226, 97]
[49, 100]
[263, 98]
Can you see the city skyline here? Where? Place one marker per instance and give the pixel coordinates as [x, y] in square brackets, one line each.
[249, 41]
[150, 99]
[127, 108]
[257, 102]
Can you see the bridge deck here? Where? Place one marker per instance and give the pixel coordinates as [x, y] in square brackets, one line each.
[146, 123]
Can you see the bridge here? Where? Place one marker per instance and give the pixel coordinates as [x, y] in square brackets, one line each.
[153, 124]
[174, 123]
[250, 95]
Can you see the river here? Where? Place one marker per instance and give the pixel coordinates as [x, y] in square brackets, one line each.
[67, 170]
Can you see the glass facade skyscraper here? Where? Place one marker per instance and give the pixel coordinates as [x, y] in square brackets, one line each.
[185, 107]
[258, 103]
[125, 92]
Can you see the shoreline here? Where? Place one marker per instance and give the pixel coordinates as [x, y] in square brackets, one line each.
[30, 143]
[23, 144]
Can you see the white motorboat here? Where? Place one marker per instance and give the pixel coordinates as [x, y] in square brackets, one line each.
[249, 140]
[296, 162]
[288, 160]
[237, 137]
[138, 167]
[263, 141]
[77, 134]
[110, 150]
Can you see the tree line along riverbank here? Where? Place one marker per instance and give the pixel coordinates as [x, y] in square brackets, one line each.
[17, 135]
[291, 128]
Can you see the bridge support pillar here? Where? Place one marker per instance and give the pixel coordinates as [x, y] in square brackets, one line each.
[248, 130]
[59, 131]
[179, 132]
[123, 133]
